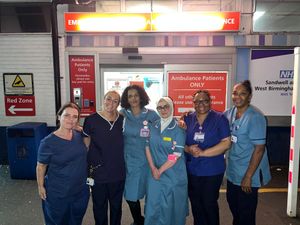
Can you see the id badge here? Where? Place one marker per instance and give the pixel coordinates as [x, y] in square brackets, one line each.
[178, 154]
[234, 139]
[198, 136]
[144, 132]
[90, 181]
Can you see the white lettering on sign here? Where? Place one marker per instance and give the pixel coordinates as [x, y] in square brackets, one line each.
[197, 85]
[229, 21]
[72, 22]
[19, 100]
[11, 100]
[22, 100]
[82, 70]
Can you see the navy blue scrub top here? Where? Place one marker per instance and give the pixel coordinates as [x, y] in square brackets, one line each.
[67, 164]
[106, 148]
[215, 128]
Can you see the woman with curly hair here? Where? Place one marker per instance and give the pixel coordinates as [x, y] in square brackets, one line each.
[136, 130]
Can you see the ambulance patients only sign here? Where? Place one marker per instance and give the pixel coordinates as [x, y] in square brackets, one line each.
[82, 82]
[182, 86]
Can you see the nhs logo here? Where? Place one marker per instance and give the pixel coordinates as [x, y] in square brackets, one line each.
[286, 74]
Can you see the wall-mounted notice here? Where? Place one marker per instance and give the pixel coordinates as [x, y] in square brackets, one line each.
[271, 74]
[182, 85]
[18, 83]
[82, 82]
[19, 105]
[19, 94]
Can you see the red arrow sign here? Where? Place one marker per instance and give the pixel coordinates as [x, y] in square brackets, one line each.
[20, 105]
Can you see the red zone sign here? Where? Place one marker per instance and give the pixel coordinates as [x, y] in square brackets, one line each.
[20, 105]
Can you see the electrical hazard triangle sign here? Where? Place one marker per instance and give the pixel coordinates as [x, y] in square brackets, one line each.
[18, 82]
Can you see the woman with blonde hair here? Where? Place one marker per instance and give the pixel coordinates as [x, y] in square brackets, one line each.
[104, 136]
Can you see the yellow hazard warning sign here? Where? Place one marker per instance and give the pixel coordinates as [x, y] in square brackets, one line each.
[18, 82]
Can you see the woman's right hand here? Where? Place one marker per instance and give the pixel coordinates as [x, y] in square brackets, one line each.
[155, 173]
[182, 124]
[194, 150]
[42, 193]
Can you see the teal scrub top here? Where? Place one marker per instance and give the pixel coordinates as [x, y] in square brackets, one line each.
[134, 149]
[246, 132]
[167, 198]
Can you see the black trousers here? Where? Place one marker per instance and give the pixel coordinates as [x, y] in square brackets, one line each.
[135, 209]
[103, 194]
[242, 205]
[204, 193]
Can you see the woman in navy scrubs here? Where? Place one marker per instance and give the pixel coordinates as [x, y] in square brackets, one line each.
[103, 131]
[62, 171]
[208, 137]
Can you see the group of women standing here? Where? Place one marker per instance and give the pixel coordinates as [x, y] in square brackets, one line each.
[141, 153]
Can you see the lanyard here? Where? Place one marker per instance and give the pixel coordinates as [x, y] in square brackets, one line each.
[232, 121]
[93, 168]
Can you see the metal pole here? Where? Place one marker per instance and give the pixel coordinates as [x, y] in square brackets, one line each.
[55, 51]
[295, 142]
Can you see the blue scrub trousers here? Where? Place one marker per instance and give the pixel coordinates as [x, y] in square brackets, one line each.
[103, 194]
[242, 205]
[204, 193]
[66, 211]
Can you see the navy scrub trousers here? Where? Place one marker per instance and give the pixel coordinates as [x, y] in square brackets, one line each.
[204, 193]
[242, 205]
[66, 211]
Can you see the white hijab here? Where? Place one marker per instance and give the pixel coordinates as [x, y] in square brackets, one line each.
[164, 122]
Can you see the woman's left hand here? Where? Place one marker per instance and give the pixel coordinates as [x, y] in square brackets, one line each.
[42, 193]
[246, 185]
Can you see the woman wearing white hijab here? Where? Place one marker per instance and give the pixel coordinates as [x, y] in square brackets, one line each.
[167, 198]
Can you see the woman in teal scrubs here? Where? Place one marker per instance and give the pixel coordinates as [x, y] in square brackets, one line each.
[167, 196]
[248, 165]
[137, 119]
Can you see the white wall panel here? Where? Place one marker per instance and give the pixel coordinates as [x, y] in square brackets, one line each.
[30, 53]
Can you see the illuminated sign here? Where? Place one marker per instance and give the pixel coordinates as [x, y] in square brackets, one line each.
[152, 22]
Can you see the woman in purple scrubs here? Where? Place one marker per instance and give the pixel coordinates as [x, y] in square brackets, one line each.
[208, 137]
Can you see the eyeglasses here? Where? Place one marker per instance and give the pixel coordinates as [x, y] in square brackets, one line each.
[202, 102]
[160, 108]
